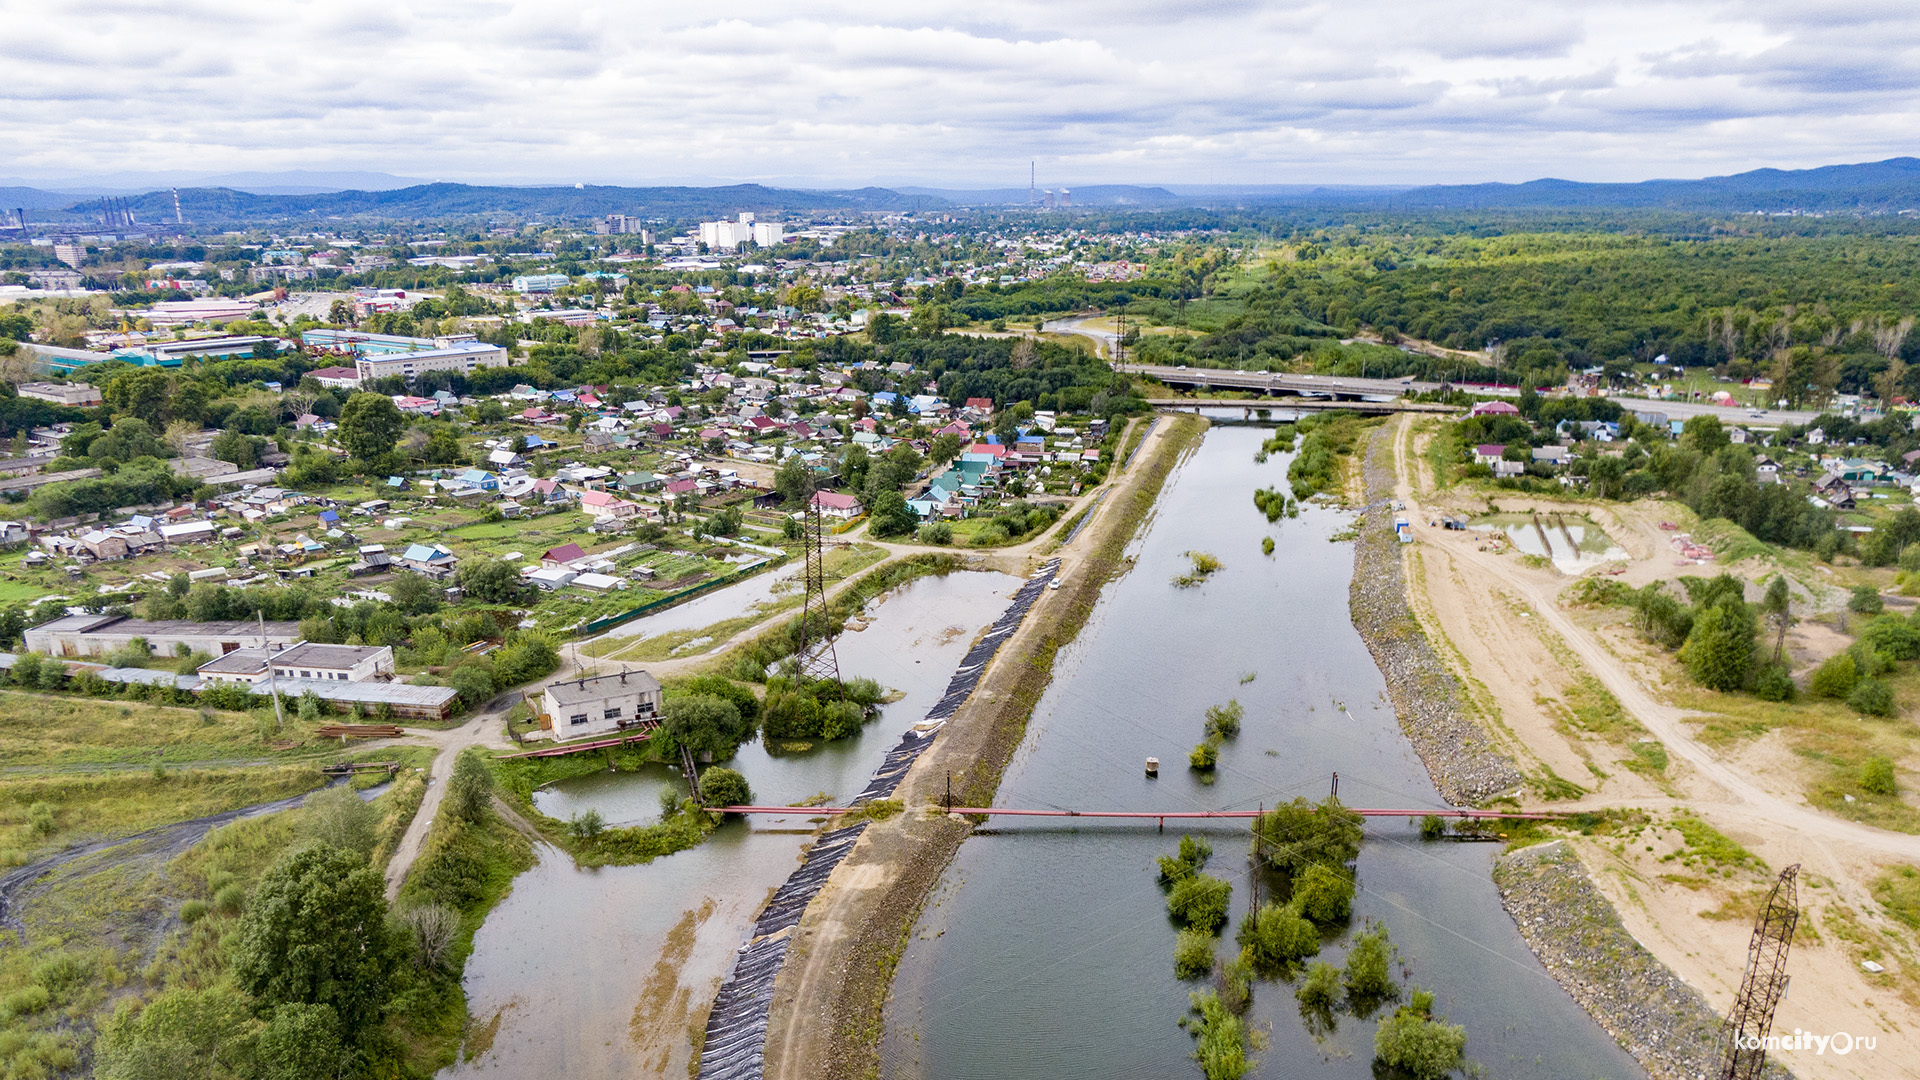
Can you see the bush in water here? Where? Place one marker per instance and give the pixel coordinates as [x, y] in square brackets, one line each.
[1193, 954]
[1324, 893]
[1276, 937]
[1414, 1042]
[1369, 974]
[1200, 902]
[1320, 990]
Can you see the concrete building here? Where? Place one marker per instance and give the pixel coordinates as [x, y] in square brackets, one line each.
[601, 704]
[79, 393]
[463, 358]
[728, 235]
[528, 284]
[302, 661]
[97, 635]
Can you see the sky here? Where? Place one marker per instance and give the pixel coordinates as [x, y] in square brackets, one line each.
[946, 94]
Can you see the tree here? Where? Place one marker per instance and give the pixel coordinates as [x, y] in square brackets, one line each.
[179, 1033]
[414, 594]
[339, 818]
[301, 1042]
[724, 787]
[470, 789]
[492, 581]
[790, 480]
[586, 826]
[1777, 606]
[1719, 651]
[1369, 972]
[704, 723]
[1865, 600]
[1877, 777]
[474, 682]
[1295, 835]
[1277, 936]
[1200, 902]
[1703, 434]
[370, 426]
[1416, 1044]
[242, 450]
[892, 516]
[1835, 678]
[340, 313]
[1324, 893]
[315, 933]
[944, 448]
[435, 928]
[128, 438]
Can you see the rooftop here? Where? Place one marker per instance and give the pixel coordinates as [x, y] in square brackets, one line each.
[602, 687]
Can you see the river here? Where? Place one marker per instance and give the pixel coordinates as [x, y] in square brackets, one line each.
[1046, 951]
[598, 973]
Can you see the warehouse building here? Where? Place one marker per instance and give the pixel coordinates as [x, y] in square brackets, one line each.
[98, 635]
[601, 704]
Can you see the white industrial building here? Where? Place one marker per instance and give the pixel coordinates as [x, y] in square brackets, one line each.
[728, 235]
[462, 357]
[302, 661]
[600, 704]
[98, 635]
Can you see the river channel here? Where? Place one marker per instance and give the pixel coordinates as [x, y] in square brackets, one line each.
[1047, 952]
[598, 973]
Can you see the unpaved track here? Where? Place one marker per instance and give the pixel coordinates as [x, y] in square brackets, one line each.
[488, 729]
[1840, 858]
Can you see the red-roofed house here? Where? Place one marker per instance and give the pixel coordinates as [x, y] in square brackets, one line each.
[995, 450]
[835, 504]
[980, 405]
[1488, 453]
[682, 487]
[563, 554]
[337, 378]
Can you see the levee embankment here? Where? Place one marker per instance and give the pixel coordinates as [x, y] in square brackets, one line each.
[826, 1016]
[1465, 764]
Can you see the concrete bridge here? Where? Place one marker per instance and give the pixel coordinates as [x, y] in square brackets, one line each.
[1248, 406]
[1269, 382]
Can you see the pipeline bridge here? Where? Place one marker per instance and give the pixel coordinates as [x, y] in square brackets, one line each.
[1335, 387]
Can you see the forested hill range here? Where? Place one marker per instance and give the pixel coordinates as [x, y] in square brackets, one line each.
[428, 202]
[1881, 187]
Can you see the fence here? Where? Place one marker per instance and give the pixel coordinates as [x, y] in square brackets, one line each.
[597, 625]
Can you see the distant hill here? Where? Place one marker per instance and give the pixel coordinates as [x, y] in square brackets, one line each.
[426, 202]
[1874, 187]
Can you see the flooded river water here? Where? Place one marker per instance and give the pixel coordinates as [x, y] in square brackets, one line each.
[1047, 951]
[598, 973]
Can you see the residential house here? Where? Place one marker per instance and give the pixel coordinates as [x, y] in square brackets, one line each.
[606, 507]
[1488, 453]
[838, 505]
[432, 560]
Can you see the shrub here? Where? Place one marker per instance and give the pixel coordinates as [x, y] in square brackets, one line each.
[1872, 697]
[339, 817]
[1276, 936]
[1221, 1049]
[1422, 1048]
[724, 787]
[26, 1001]
[1295, 835]
[1775, 684]
[937, 533]
[1193, 955]
[1320, 990]
[1877, 777]
[1266, 545]
[1200, 902]
[1235, 985]
[40, 816]
[193, 911]
[231, 899]
[1223, 721]
[1324, 894]
[470, 789]
[586, 826]
[1433, 827]
[1893, 637]
[433, 929]
[1369, 974]
[1204, 756]
[1866, 601]
[1194, 854]
[1835, 678]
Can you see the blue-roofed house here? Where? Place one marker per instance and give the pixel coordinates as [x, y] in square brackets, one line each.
[397, 483]
[330, 517]
[478, 479]
[430, 559]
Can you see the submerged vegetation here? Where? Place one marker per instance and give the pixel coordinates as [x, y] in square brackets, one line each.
[1202, 566]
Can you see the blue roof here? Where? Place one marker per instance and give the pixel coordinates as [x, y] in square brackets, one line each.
[476, 476]
[328, 515]
[425, 553]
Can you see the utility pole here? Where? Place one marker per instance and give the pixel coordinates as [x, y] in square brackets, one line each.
[273, 685]
[1335, 793]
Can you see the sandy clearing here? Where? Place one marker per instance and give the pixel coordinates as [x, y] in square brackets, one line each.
[1472, 593]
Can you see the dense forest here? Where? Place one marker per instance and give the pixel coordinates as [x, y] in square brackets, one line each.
[1820, 311]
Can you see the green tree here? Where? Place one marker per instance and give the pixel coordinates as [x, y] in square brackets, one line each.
[1295, 835]
[302, 1042]
[474, 682]
[1877, 777]
[180, 1033]
[724, 787]
[1416, 1044]
[1276, 937]
[241, 450]
[1324, 893]
[1835, 678]
[470, 789]
[944, 448]
[790, 480]
[1193, 954]
[1369, 972]
[704, 723]
[492, 581]
[1200, 902]
[1703, 434]
[315, 933]
[414, 594]
[130, 437]
[339, 818]
[1719, 650]
[892, 516]
[370, 426]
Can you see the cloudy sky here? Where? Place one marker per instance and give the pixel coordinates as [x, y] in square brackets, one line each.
[944, 93]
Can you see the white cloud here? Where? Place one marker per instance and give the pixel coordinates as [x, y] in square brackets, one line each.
[951, 93]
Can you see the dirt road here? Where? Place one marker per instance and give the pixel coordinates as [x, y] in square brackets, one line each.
[1504, 624]
[487, 729]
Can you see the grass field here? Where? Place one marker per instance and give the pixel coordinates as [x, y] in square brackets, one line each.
[61, 730]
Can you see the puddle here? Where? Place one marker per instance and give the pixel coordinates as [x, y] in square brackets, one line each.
[1575, 544]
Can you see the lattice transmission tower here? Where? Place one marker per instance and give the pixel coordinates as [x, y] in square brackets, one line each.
[815, 658]
[1744, 1035]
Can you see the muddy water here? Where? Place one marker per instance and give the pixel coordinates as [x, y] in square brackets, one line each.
[1591, 545]
[600, 973]
[1047, 951]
